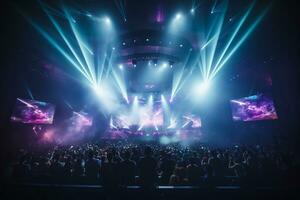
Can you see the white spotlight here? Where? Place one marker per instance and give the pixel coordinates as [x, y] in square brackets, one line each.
[107, 20]
[151, 97]
[121, 66]
[162, 98]
[192, 11]
[202, 87]
[178, 16]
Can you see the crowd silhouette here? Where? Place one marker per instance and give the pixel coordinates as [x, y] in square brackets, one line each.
[122, 163]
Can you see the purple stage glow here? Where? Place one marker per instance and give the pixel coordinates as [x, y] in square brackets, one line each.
[82, 119]
[253, 108]
[81, 122]
[159, 16]
[33, 112]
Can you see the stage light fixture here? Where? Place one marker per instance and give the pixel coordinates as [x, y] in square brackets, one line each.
[121, 66]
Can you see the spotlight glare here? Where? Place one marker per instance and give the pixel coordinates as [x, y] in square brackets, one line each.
[151, 98]
[192, 11]
[121, 66]
[202, 87]
[178, 16]
[162, 98]
[107, 20]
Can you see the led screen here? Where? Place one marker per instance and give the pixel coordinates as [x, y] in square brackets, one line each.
[33, 112]
[143, 116]
[253, 108]
[191, 120]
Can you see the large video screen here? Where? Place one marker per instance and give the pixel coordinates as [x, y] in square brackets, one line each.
[143, 116]
[186, 121]
[191, 120]
[33, 112]
[253, 108]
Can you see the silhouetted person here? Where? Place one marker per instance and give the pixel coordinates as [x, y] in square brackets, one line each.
[215, 168]
[178, 177]
[147, 168]
[109, 173]
[92, 167]
[127, 170]
[194, 172]
[166, 167]
[21, 171]
[57, 168]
